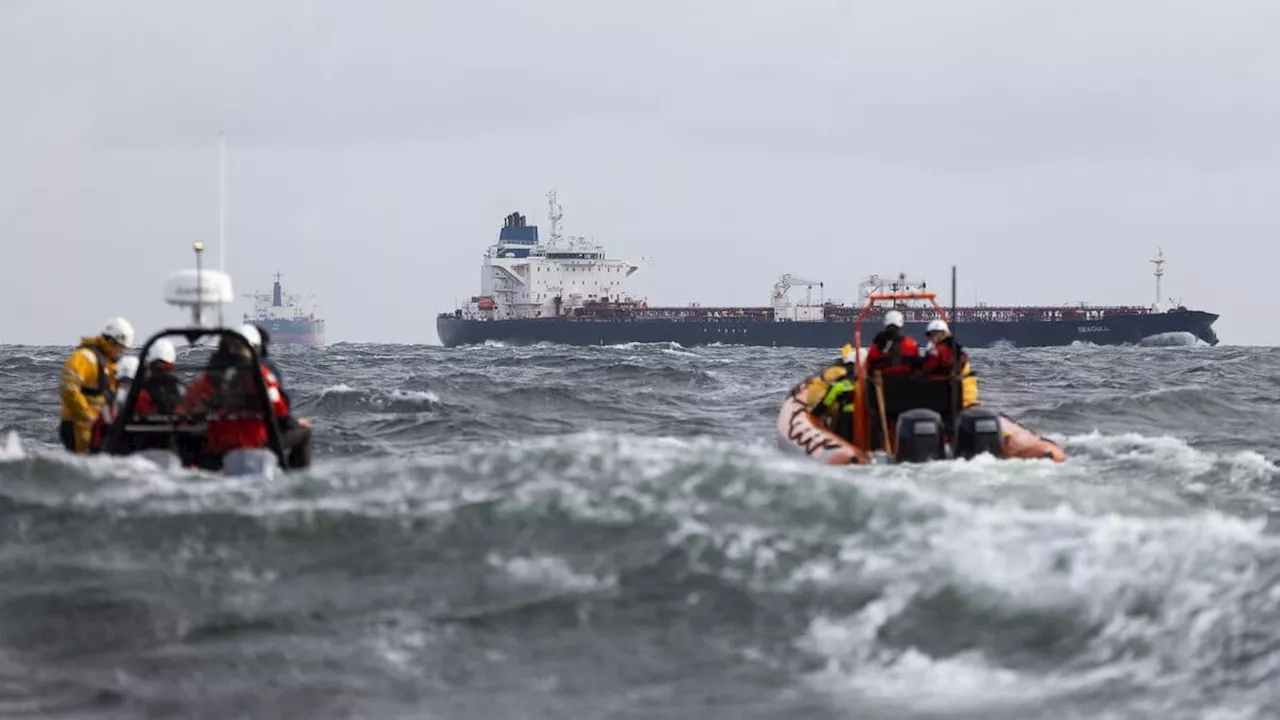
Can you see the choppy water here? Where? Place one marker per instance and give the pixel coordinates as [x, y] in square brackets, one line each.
[561, 533]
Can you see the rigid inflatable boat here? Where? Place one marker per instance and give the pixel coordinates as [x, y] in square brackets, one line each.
[906, 418]
[177, 440]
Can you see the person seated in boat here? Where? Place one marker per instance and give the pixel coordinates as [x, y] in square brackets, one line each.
[893, 352]
[265, 352]
[941, 357]
[126, 368]
[161, 391]
[159, 394]
[227, 393]
[830, 394]
[88, 381]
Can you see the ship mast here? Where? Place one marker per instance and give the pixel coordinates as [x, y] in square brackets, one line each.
[556, 212]
[222, 209]
[1158, 261]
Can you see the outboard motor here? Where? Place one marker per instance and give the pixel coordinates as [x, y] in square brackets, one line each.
[979, 432]
[920, 436]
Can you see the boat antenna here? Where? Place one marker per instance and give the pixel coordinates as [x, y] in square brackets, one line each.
[953, 297]
[199, 249]
[1158, 261]
[555, 214]
[957, 385]
[222, 210]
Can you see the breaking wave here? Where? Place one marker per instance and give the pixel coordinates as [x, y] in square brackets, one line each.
[575, 532]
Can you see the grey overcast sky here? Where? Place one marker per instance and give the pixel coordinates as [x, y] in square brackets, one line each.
[1044, 147]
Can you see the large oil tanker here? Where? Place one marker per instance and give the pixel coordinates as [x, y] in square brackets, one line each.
[567, 291]
[286, 321]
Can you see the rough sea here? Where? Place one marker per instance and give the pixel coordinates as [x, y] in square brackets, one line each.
[611, 532]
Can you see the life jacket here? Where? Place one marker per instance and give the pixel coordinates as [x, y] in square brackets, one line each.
[940, 363]
[893, 356]
[161, 393]
[832, 390]
[234, 417]
[839, 396]
[940, 359]
[103, 389]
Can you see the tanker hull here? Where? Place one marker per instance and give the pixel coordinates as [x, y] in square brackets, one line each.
[1119, 330]
[283, 332]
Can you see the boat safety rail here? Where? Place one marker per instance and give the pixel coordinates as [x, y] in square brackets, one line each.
[862, 414]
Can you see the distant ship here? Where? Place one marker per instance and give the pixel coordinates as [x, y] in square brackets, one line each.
[286, 321]
[566, 291]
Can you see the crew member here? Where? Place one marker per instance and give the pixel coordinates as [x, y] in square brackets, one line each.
[830, 396]
[265, 352]
[296, 433]
[893, 352]
[940, 361]
[161, 391]
[228, 393]
[88, 382]
[126, 368]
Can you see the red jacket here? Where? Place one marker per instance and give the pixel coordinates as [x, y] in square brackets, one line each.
[893, 358]
[160, 393]
[940, 359]
[98, 432]
[248, 429]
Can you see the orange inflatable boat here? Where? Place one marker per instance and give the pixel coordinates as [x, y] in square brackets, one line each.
[906, 419]
[801, 430]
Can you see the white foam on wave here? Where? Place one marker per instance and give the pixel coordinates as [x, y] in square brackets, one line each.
[550, 572]
[927, 526]
[664, 345]
[392, 393]
[11, 448]
[1159, 589]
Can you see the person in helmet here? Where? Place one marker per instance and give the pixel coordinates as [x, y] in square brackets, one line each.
[265, 352]
[944, 356]
[227, 393]
[88, 382]
[160, 391]
[893, 352]
[830, 394]
[126, 369]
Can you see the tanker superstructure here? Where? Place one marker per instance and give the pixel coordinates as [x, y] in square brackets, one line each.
[285, 319]
[567, 291]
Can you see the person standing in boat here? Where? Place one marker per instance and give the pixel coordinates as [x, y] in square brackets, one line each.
[940, 361]
[892, 352]
[89, 381]
[126, 369]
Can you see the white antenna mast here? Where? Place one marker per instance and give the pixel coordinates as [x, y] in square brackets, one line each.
[556, 214]
[1158, 261]
[222, 209]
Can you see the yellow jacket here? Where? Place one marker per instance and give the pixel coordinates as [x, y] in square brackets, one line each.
[968, 386]
[85, 382]
[817, 389]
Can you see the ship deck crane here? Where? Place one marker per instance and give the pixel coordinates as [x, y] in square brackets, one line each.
[788, 281]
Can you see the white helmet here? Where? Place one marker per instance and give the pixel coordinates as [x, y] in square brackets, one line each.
[893, 318]
[251, 334]
[938, 324]
[162, 350]
[120, 331]
[127, 367]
